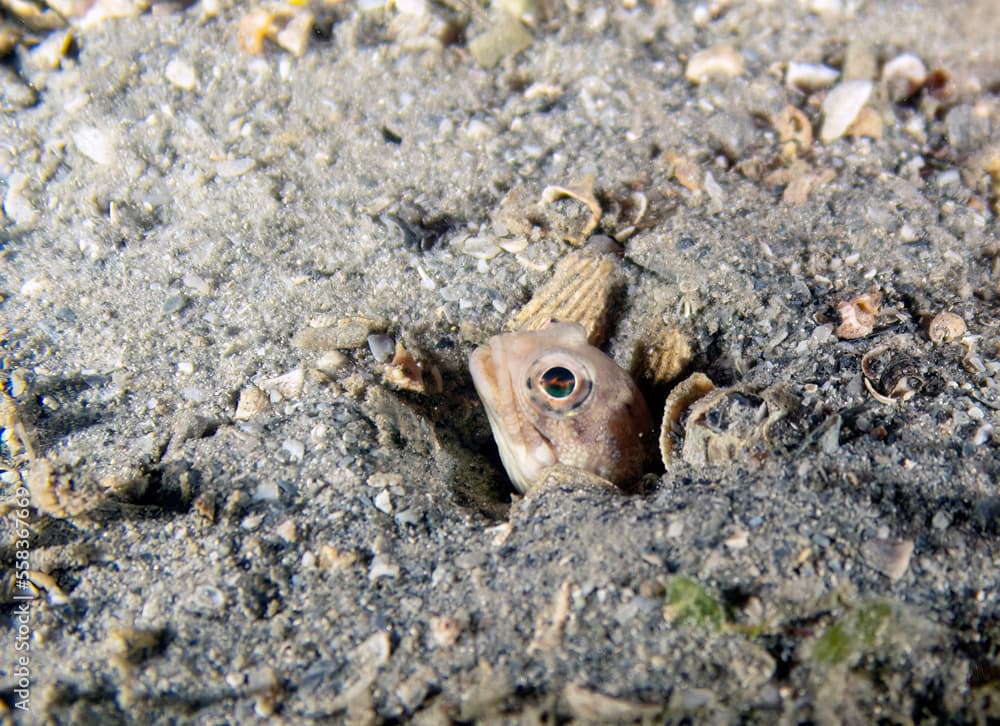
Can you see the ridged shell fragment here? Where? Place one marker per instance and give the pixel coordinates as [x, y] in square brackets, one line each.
[343, 334]
[666, 357]
[252, 402]
[580, 290]
[890, 374]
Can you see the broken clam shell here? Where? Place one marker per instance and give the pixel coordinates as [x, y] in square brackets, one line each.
[891, 375]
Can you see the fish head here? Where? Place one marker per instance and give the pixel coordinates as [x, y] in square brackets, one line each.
[552, 398]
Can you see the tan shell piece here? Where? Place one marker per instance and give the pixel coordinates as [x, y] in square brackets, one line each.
[404, 372]
[858, 315]
[579, 291]
[685, 393]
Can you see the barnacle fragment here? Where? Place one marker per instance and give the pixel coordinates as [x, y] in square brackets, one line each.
[722, 424]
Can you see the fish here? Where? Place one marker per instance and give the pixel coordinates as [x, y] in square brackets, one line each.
[553, 398]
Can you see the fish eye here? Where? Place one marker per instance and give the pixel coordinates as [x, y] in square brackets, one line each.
[558, 382]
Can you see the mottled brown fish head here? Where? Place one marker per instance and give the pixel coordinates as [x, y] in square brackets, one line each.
[552, 398]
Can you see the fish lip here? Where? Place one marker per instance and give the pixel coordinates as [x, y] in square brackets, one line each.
[520, 462]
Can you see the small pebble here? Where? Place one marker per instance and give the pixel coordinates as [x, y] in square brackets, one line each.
[983, 433]
[295, 448]
[382, 346]
[738, 541]
[194, 394]
[16, 206]
[382, 566]
[941, 520]
[174, 304]
[287, 531]
[252, 522]
[330, 362]
[947, 178]
[267, 491]
[828, 9]
[903, 76]
[14, 91]
[481, 248]
[675, 529]
[294, 37]
[197, 283]
[841, 107]
[181, 74]
[408, 517]
[891, 558]
[383, 502]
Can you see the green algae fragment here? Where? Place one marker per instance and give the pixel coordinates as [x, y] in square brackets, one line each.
[864, 630]
[688, 602]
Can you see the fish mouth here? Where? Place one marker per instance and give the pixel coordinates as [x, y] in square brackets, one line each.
[523, 451]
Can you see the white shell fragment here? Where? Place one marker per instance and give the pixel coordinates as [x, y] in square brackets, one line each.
[181, 74]
[286, 386]
[16, 206]
[858, 315]
[810, 77]
[228, 168]
[717, 62]
[96, 144]
[842, 106]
